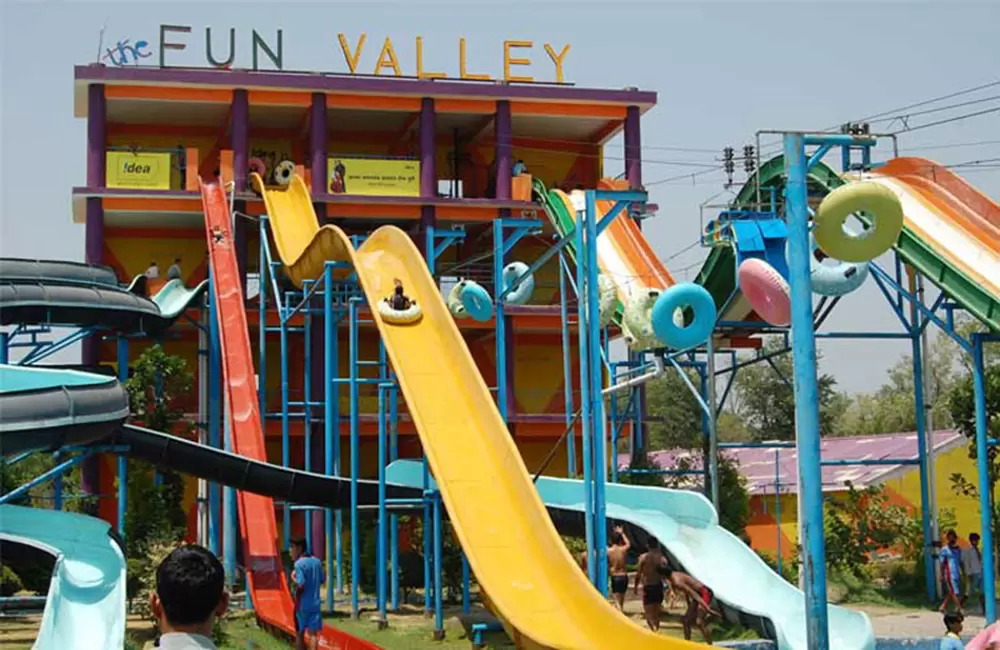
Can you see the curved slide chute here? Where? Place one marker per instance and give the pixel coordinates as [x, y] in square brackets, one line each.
[688, 528]
[512, 545]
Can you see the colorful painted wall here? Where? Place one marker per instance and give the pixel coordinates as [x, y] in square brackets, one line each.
[902, 489]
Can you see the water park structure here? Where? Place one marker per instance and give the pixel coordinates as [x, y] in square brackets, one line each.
[293, 203]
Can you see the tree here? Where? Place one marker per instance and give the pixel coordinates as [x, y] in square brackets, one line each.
[677, 413]
[734, 499]
[892, 408]
[764, 398]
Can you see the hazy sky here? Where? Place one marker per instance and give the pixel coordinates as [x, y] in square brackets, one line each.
[722, 71]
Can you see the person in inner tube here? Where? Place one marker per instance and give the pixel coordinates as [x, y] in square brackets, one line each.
[398, 300]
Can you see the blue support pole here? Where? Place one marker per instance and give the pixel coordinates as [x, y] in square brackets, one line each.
[286, 513]
[394, 518]
[982, 465]
[122, 459]
[329, 422]
[777, 503]
[14, 495]
[501, 325]
[466, 596]
[382, 513]
[307, 395]
[355, 458]
[585, 403]
[925, 490]
[567, 369]
[806, 394]
[428, 543]
[614, 425]
[4, 348]
[438, 609]
[57, 485]
[599, 449]
[218, 429]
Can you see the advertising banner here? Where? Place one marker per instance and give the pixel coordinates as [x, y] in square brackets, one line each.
[146, 171]
[374, 177]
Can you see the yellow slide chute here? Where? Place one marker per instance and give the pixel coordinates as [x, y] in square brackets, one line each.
[533, 582]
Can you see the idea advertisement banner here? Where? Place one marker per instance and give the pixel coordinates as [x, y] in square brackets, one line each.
[374, 177]
[138, 170]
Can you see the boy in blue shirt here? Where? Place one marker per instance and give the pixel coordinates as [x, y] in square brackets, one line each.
[951, 571]
[308, 575]
[951, 640]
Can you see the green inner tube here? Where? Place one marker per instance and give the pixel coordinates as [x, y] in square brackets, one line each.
[886, 215]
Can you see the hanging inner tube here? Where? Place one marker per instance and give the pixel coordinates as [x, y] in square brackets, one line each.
[521, 294]
[454, 301]
[283, 173]
[477, 301]
[685, 297]
[766, 291]
[878, 205]
[833, 278]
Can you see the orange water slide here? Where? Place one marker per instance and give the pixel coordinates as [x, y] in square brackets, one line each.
[268, 583]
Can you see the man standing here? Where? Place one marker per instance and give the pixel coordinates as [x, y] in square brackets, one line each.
[972, 564]
[190, 594]
[649, 574]
[174, 272]
[617, 553]
[308, 575]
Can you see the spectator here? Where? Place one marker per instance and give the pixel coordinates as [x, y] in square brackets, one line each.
[972, 564]
[951, 563]
[190, 595]
[174, 272]
[153, 272]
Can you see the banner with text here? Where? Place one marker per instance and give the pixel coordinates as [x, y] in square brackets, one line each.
[138, 170]
[374, 177]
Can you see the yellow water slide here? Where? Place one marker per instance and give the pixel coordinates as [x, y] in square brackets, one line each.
[532, 581]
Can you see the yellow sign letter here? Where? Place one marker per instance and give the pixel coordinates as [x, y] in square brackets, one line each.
[558, 60]
[420, 63]
[352, 59]
[387, 59]
[508, 61]
[463, 68]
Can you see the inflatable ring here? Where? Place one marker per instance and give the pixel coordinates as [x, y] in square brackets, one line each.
[684, 296]
[766, 291]
[477, 301]
[257, 166]
[522, 293]
[833, 280]
[638, 320]
[410, 315]
[454, 301]
[283, 173]
[608, 299]
[884, 210]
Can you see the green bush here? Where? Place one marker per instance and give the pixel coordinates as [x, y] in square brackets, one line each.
[10, 582]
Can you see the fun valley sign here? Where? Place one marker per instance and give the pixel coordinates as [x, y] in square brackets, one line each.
[220, 52]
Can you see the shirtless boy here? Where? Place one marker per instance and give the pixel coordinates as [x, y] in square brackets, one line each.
[617, 553]
[652, 566]
[699, 602]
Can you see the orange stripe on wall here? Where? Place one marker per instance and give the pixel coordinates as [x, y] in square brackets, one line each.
[561, 109]
[186, 94]
[373, 102]
[278, 98]
[466, 106]
[123, 204]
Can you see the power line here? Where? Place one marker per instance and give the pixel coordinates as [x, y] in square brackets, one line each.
[949, 120]
[926, 102]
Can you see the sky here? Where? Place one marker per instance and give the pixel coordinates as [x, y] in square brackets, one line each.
[722, 71]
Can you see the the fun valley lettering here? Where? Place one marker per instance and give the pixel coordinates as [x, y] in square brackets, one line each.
[514, 55]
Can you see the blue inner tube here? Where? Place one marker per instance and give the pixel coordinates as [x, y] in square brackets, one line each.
[522, 293]
[833, 280]
[687, 296]
[477, 301]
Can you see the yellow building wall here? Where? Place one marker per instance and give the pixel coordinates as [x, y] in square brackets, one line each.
[903, 490]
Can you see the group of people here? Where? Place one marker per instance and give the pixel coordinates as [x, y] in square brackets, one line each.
[190, 595]
[655, 578]
[173, 271]
[960, 566]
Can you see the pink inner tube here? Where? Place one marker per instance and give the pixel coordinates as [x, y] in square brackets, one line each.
[766, 291]
[984, 639]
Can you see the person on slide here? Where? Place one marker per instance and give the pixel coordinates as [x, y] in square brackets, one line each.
[699, 602]
[617, 553]
[398, 300]
[649, 574]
